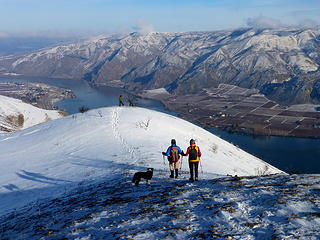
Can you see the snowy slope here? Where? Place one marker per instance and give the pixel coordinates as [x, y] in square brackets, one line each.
[47, 159]
[269, 207]
[12, 108]
[71, 179]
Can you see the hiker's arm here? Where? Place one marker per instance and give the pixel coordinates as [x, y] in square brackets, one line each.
[187, 153]
[179, 150]
[199, 152]
[167, 153]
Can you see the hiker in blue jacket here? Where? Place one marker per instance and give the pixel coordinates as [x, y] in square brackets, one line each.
[173, 153]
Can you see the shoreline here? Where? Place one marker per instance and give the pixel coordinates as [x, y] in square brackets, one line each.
[40, 95]
[231, 109]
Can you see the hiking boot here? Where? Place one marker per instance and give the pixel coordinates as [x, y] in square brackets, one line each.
[191, 179]
[176, 171]
[171, 175]
[196, 179]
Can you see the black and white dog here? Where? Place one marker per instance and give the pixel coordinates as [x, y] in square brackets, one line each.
[146, 175]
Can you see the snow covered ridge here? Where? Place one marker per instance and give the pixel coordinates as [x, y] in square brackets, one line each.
[47, 159]
[16, 115]
[269, 207]
[71, 178]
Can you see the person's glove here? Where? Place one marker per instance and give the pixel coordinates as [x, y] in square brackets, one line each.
[182, 153]
[163, 153]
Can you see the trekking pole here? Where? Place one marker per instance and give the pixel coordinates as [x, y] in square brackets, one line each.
[164, 163]
[201, 166]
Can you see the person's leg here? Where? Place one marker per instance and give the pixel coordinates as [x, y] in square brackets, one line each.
[196, 166]
[191, 170]
[177, 169]
[171, 169]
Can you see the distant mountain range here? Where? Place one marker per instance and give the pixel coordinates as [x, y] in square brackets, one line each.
[282, 63]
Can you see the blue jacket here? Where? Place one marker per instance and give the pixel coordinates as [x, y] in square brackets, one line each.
[169, 150]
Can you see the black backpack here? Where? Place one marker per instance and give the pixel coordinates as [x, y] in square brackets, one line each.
[193, 154]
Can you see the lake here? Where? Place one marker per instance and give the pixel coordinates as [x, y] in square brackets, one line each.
[86, 95]
[293, 155]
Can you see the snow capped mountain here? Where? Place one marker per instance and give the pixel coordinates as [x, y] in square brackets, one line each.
[278, 62]
[17, 115]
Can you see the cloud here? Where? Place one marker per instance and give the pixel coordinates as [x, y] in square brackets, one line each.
[143, 28]
[262, 22]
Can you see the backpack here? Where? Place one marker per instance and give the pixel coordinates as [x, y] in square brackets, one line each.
[193, 153]
[174, 154]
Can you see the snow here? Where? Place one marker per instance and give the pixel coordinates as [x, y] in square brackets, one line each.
[281, 80]
[71, 148]
[11, 74]
[224, 208]
[155, 92]
[280, 50]
[303, 63]
[32, 115]
[70, 177]
[268, 42]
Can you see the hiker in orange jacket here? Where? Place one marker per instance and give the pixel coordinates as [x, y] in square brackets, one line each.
[194, 157]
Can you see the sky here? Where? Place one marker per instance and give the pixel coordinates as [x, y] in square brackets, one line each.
[111, 16]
